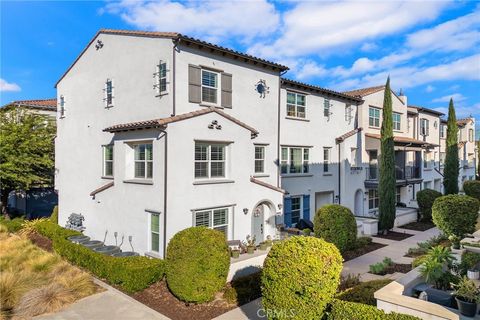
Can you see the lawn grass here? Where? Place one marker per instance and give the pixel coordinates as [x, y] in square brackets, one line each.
[33, 281]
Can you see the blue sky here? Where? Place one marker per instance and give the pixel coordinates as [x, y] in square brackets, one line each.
[431, 49]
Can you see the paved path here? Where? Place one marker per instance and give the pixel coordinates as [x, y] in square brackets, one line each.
[110, 304]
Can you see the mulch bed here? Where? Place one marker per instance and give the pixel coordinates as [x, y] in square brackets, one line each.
[352, 254]
[159, 298]
[397, 267]
[419, 225]
[393, 235]
[41, 241]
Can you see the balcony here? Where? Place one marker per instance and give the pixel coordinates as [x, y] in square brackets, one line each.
[404, 175]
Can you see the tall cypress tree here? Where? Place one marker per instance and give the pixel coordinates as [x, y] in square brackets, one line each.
[386, 184]
[450, 173]
[478, 160]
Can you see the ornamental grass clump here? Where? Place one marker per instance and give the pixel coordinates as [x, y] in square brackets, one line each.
[300, 277]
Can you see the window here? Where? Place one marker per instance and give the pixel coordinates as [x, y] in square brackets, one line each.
[398, 194]
[259, 159]
[373, 199]
[108, 93]
[442, 158]
[62, 106]
[143, 161]
[108, 160]
[161, 77]
[427, 158]
[154, 232]
[209, 86]
[353, 157]
[427, 185]
[326, 108]
[210, 160]
[470, 135]
[396, 121]
[296, 209]
[294, 160]
[374, 117]
[348, 112]
[326, 160]
[295, 105]
[442, 131]
[424, 127]
[214, 219]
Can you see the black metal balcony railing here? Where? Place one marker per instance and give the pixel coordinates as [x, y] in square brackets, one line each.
[407, 173]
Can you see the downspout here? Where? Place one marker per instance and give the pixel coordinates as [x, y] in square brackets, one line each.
[278, 125]
[165, 169]
[339, 176]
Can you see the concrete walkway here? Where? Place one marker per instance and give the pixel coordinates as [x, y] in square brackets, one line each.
[110, 304]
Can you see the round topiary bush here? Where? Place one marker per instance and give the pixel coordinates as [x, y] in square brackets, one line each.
[425, 199]
[336, 224]
[197, 264]
[456, 215]
[300, 277]
[472, 188]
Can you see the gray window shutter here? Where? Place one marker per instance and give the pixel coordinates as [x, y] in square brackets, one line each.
[194, 84]
[226, 90]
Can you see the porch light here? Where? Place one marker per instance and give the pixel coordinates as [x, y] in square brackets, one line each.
[245, 210]
[280, 206]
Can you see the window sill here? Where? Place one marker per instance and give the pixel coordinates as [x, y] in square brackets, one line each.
[152, 254]
[139, 181]
[372, 127]
[296, 175]
[210, 105]
[61, 117]
[298, 119]
[108, 107]
[327, 174]
[213, 181]
[427, 169]
[261, 175]
[106, 177]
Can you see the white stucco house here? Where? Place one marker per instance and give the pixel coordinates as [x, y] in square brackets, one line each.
[158, 132]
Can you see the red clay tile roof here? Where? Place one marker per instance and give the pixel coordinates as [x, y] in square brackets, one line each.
[102, 188]
[461, 144]
[364, 91]
[462, 122]
[328, 92]
[427, 110]
[267, 185]
[45, 104]
[162, 122]
[403, 140]
[348, 135]
[184, 39]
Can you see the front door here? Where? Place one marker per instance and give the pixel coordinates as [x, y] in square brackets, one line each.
[258, 221]
[359, 203]
[323, 198]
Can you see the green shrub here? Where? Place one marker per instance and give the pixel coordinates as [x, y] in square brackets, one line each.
[348, 281]
[197, 264]
[336, 224]
[300, 276]
[469, 261]
[472, 188]
[456, 215]
[381, 267]
[54, 216]
[306, 231]
[419, 260]
[13, 225]
[425, 199]
[363, 292]
[362, 242]
[244, 289]
[345, 310]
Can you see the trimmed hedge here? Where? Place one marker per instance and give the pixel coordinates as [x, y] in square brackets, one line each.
[129, 273]
[336, 224]
[425, 199]
[363, 292]
[54, 215]
[300, 277]
[456, 215]
[472, 188]
[12, 225]
[197, 264]
[345, 310]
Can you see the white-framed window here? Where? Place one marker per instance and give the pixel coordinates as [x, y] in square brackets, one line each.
[210, 160]
[427, 158]
[443, 130]
[259, 159]
[161, 83]
[348, 112]
[108, 160]
[353, 157]
[326, 160]
[471, 135]
[398, 195]
[296, 208]
[373, 199]
[216, 219]
[424, 127]
[397, 121]
[296, 104]
[374, 117]
[108, 93]
[143, 161]
[154, 232]
[326, 108]
[294, 160]
[62, 106]
[210, 86]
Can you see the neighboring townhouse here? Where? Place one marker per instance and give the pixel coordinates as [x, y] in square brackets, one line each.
[160, 132]
[46, 107]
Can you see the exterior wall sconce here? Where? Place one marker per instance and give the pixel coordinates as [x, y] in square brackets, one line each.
[280, 206]
[245, 210]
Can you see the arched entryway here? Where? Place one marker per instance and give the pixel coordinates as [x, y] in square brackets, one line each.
[358, 203]
[263, 220]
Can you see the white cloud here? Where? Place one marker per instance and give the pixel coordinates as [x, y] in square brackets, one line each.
[457, 97]
[368, 47]
[8, 86]
[210, 20]
[319, 27]
[430, 88]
